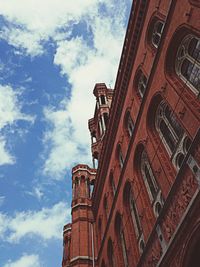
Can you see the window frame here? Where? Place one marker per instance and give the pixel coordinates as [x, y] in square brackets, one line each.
[120, 156]
[135, 215]
[156, 32]
[183, 55]
[144, 163]
[181, 138]
[142, 83]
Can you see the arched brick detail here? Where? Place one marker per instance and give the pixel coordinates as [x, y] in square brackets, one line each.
[171, 54]
[157, 16]
[139, 72]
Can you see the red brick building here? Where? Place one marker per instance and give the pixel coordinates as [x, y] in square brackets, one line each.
[144, 209]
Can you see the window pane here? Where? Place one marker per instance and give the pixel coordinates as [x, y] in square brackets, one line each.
[191, 72]
[159, 27]
[142, 84]
[150, 182]
[130, 125]
[195, 77]
[142, 89]
[156, 39]
[194, 48]
[186, 68]
[171, 142]
[181, 52]
[173, 122]
[135, 216]
[179, 159]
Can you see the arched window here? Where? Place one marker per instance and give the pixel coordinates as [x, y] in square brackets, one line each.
[134, 224]
[135, 215]
[141, 84]
[148, 176]
[111, 256]
[168, 126]
[187, 63]
[129, 124]
[172, 134]
[124, 249]
[157, 32]
[76, 194]
[121, 240]
[120, 156]
[92, 182]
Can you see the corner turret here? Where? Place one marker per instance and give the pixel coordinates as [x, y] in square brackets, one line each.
[98, 124]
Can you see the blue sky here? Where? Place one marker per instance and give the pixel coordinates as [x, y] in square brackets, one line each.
[52, 52]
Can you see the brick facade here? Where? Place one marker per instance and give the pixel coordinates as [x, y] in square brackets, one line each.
[144, 209]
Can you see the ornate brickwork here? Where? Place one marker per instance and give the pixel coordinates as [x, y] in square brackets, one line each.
[179, 203]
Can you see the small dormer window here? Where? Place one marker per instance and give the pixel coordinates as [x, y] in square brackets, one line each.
[157, 32]
[142, 83]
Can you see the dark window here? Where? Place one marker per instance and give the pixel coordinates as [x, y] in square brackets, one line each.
[135, 215]
[120, 156]
[142, 83]
[130, 125]
[103, 101]
[168, 126]
[148, 176]
[157, 32]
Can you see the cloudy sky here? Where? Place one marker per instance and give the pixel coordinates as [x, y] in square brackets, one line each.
[52, 52]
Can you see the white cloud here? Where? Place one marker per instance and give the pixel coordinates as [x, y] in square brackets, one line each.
[84, 66]
[85, 60]
[65, 149]
[35, 21]
[2, 200]
[5, 156]
[10, 113]
[25, 261]
[37, 192]
[3, 223]
[46, 223]
[23, 39]
[10, 107]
